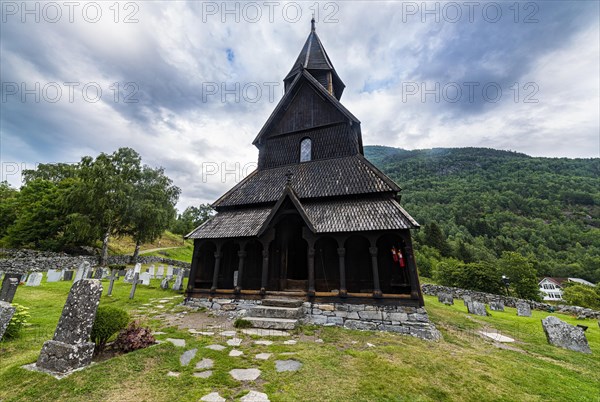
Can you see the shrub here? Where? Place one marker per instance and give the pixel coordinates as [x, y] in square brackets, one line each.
[109, 321]
[134, 337]
[241, 323]
[17, 322]
[582, 295]
[117, 266]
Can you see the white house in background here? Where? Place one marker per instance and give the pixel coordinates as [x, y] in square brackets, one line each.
[551, 288]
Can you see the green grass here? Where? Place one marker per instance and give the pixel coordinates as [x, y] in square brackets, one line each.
[462, 367]
[126, 245]
[181, 253]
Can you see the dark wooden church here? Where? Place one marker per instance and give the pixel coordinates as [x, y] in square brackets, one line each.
[315, 220]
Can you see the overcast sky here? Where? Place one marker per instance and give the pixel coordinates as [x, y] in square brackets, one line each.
[189, 84]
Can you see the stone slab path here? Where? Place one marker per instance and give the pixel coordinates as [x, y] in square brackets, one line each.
[215, 347]
[213, 397]
[245, 374]
[287, 365]
[177, 342]
[254, 396]
[187, 356]
[204, 364]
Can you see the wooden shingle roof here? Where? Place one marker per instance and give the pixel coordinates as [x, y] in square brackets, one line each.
[320, 178]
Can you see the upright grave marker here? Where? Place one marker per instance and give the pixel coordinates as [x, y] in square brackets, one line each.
[178, 285]
[134, 283]
[145, 278]
[82, 271]
[35, 279]
[53, 275]
[113, 277]
[70, 348]
[151, 271]
[9, 287]
[523, 309]
[564, 335]
[160, 272]
[6, 313]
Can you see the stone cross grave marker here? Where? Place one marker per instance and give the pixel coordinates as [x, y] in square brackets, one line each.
[564, 335]
[523, 309]
[53, 275]
[113, 277]
[82, 271]
[160, 272]
[134, 283]
[9, 287]
[35, 279]
[145, 278]
[70, 348]
[6, 313]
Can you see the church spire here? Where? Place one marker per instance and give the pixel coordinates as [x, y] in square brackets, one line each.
[314, 59]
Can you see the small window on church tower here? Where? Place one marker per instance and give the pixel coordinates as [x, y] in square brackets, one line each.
[305, 150]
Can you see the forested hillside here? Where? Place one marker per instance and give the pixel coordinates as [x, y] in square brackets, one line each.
[486, 202]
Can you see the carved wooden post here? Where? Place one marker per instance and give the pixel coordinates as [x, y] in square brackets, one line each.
[415, 287]
[241, 256]
[216, 270]
[342, 262]
[376, 287]
[194, 267]
[311, 270]
[265, 271]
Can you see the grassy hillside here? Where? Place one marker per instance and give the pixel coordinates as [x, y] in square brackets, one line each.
[494, 201]
[346, 366]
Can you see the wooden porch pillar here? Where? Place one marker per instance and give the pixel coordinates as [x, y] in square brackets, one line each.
[194, 267]
[415, 287]
[311, 270]
[215, 281]
[265, 271]
[376, 286]
[241, 258]
[342, 262]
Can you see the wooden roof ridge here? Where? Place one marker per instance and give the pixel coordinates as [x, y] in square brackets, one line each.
[405, 213]
[289, 96]
[309, 53]
[379, 173]
[288, 192]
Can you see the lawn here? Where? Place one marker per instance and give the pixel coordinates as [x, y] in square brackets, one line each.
[346, 366]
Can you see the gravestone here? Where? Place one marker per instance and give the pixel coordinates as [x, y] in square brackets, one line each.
[178, 285]
[477, 308]
[467, 299]
[82, 271]
[523, 309]
[169, 270]
[145, 278]
[497, 305]
[137, 269]
[112, 278]
[90, 274]
[164, 284]
[70, 348]
[98, 273]
[446, 298]
[9, 287]
[68, 275]
[160, 272]
[564, 335]
[134, 283]
[35, 279]
[6, 313]
[151, 271]
[129, 275]
[23, 278]
[53, 275]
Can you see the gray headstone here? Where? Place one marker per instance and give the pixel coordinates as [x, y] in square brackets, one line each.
[164, 284]
[178, 285]
[68, 275]
[477, 308]
[160, 272]
[466, 299]
[82, 271]
[169, 270]
[523, 309]
[53, 275]
[497, 305]
[70, 348]
[137, 269]
[35, 279]
[446, 298]
[564, 335]
[151, 271]
[129, 275]
[9, 287]
[145, 278]
[6, 313]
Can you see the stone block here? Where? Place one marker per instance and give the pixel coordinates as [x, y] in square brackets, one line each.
[335, 320]
[420, 317]
[523, 309]
[476, 308]
[497, 305]
[446, 298]
[61, 357]
[361, 325]
[371, 315]
[397, 317]
[564, 335]
[317, 319]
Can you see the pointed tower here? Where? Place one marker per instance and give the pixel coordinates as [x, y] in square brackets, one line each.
[315, 221]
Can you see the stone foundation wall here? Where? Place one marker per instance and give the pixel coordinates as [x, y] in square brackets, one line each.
[404, 320]
[458, 293]
[23, 261]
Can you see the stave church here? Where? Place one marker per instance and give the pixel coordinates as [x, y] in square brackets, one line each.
[316, 221]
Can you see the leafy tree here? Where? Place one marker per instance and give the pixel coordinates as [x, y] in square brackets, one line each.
[191, 218]
[582, 295]
[8, 199]
[434, 237]
[523, 278]
[153, 207]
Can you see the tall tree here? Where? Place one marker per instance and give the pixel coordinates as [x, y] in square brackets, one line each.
[523, 278]
[153, 207]
[191, 218]
[434, 237]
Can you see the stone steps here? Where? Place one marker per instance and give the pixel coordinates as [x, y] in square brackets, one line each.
[276, 312]
[272, 323]
[289, 303]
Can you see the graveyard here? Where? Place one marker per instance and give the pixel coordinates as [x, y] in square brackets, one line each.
[318, 363]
